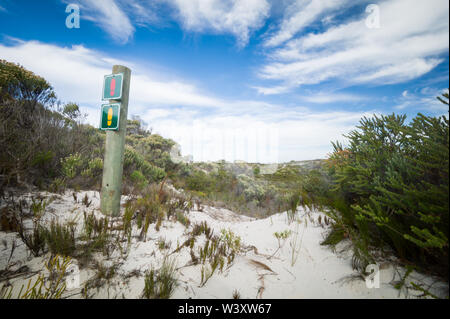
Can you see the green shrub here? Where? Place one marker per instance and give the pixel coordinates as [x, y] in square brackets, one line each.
[133, 160]
[60, 238]
[95, 168]
[98, 236]
[151, 207]
[138, 179]
[294, 201]
[282, 235]
[183, 219]
[42, 159]
[231, 241]
[44, 288]
[199, 181]
[251, 189]
[216, 253]
[58, 185]
[38, 207]
[70, 165]
[127, 225]
[391, 188]
[93, 226]
[163, 243]
[160, 284]
[202, 228]
[34, 240]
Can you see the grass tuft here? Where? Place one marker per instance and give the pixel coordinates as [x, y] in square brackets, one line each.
[160, 284]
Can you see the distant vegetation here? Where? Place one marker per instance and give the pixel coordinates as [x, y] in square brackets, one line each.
[46, 144]
[237, 187]
[387, 191]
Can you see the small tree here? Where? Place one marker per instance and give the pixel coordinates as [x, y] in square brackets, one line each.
[20, 84]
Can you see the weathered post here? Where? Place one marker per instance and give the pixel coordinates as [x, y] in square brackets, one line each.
[114, 121]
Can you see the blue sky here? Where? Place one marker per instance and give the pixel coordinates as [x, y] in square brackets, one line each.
[254, 80]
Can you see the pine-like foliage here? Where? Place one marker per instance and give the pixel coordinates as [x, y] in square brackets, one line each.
[391, 187]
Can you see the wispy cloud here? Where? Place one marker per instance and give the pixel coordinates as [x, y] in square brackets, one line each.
[271, 90]
[119, 18]
[87, 68]
[143, 13]
[423, 100]
[109, 16]
[204, 124]
[329, 97]
[410, 42]
[299, 15]
[236, 17]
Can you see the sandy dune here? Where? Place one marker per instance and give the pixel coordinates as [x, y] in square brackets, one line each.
[301, 268]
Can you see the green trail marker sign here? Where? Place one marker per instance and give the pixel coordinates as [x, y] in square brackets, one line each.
[110, 117]
[113, 87]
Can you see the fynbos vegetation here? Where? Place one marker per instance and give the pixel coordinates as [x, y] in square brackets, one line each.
[386, 193]
[390, 189]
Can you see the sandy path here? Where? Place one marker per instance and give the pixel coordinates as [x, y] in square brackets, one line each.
[312, 271]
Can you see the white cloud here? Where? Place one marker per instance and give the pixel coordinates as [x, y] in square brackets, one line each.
[236, 17]
[412, 38]
[143, 13]
[109, 16]
[328, 97]
[119, 18]
[299, 15]
[206, 126]
[271, 90]
[424, 100]
[77, 74]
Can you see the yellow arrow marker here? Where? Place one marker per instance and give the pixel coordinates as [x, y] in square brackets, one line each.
[110, 114]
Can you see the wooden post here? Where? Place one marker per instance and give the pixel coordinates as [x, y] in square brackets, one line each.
[114, 149]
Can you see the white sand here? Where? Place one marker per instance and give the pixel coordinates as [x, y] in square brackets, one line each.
[315, 271]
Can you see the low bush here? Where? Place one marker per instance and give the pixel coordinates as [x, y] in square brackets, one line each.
[160, 284]
[216, 253]
[60, 238]
[34, 240]
[44, 288]
[390, 189]
[183, 219]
